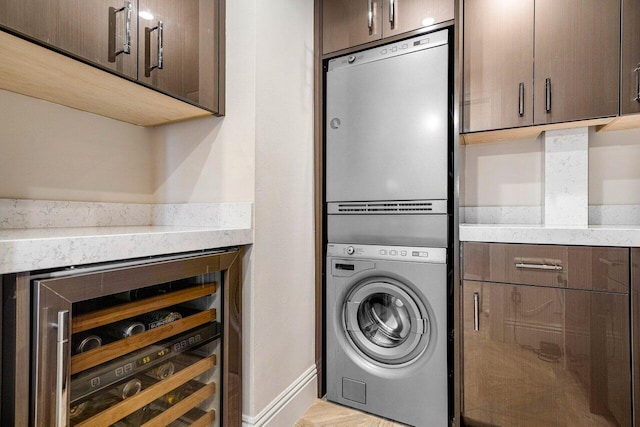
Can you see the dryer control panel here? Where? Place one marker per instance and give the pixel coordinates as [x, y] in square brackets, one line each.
[390, 253]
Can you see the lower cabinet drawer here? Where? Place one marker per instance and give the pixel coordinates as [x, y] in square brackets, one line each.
[545, 356]
[575, 267]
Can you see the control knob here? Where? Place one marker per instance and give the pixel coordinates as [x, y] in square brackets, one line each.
[350, 250]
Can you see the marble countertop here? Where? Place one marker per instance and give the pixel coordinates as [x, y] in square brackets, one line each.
[593, 235]
[42, 248]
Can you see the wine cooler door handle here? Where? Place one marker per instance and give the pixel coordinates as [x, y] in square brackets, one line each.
[147, 48]
[62, 369]
[476, 311]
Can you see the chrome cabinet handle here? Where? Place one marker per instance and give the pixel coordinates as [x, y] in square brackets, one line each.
[370, 15]
[62, 373]
[538, 266]
[547, 99]
[126, 46]
[392, 13]
[147, 48]
[521, 99]
[476, 311]
[637, 71]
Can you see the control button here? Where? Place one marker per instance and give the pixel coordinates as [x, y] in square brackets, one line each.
[350, 250]
[383, 252]
[394, 253]
[421, 254]
[393, 49]
[383, 52]
[351, 59]
[403, 253]
[404, 46]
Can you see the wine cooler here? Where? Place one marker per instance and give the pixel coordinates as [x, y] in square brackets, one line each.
[152, 342]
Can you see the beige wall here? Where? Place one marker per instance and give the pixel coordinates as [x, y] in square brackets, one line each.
[283, 292]
[52, 152]
[511, 173]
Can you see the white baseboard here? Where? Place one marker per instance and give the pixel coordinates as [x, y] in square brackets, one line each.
[301, 392]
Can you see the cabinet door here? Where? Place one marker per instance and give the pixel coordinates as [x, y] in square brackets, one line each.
[179, 49]
[577, 59]
[539, 356]
[498, 64]
[630, 94]
[33, 18]
[400, 16]
[347, 23]
[101, 31]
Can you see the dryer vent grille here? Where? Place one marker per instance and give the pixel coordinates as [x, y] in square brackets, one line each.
[389, 207]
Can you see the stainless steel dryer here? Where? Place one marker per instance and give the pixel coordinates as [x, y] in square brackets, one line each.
[386, 311]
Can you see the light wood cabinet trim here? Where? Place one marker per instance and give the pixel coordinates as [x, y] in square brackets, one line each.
[136, 308]
[528, 132]
[176, 411]
[35, 71]
[103, 354]
[205, 420]
[621, 123]
[148, 395]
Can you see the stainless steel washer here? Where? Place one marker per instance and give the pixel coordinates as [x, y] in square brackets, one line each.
[386, 331]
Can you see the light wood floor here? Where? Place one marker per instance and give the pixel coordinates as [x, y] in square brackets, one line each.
[325, 414]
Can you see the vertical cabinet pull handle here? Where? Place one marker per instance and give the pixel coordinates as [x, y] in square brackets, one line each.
[637, 71]
[147, 48]
[370, 15]
[476, 311]
[62, 366]
[547, 98]
[521, 99]
[392, 13]
[126, 45]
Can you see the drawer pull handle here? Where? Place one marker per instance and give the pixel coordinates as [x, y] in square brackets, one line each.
[538, 266]
[476, 311]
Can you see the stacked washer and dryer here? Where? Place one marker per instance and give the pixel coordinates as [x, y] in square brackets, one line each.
[388, 187]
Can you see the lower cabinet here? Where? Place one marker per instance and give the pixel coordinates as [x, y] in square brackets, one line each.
[545, 355]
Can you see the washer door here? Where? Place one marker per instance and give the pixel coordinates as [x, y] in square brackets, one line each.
[386, 321]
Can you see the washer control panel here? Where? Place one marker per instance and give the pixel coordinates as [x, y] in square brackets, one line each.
[391, 253]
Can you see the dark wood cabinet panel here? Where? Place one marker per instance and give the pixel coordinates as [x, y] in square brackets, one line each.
[347, 23]
[85, 31]
[630, 91]
[37, 19]
[575, 267]
[173, 34]
[576, 59]
[498, 64]
[635, 329]
[401, 16]
[536, 355]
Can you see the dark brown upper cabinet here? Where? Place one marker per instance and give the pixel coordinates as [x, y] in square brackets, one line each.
[174, 47]
[630, 91]
[498, 64]
[348, 23]
[575, 44]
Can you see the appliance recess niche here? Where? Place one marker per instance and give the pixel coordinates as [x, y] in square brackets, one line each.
[172, 47]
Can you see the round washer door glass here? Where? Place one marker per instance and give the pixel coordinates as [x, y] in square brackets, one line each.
[386, 321]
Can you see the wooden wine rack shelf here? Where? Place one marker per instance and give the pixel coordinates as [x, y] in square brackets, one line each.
[125, 311]
[108, 352]
[148, 395]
